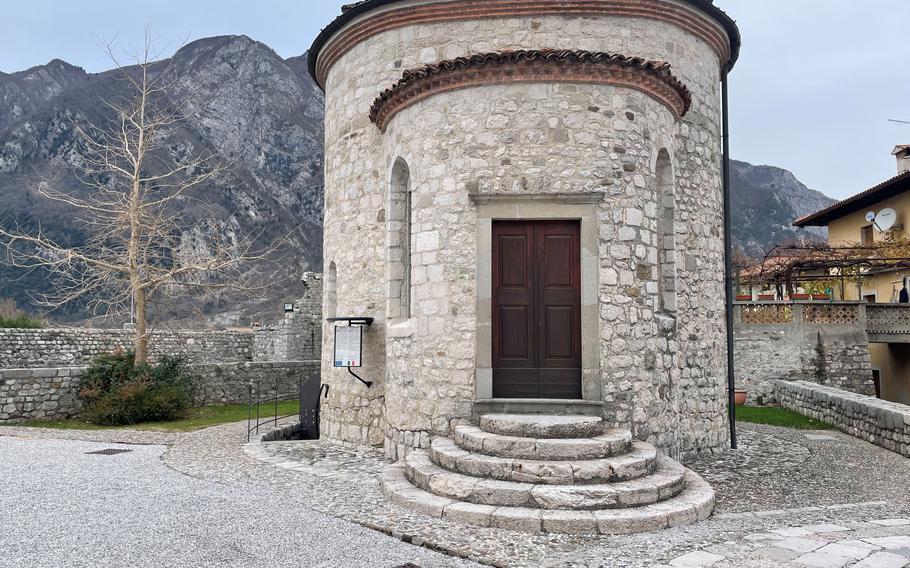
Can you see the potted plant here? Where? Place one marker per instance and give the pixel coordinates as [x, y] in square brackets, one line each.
[744, 297]
[740, 396]
[800, 296]
[766, 296]
[823, 297]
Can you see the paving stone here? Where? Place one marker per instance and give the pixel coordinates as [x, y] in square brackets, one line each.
[855, 549]
[793, 531]
[884, 560]
[890, 542]
[892, 522]
[697, 559]
[800, 544]
[826, 528]
[778, 555]
[822, 560]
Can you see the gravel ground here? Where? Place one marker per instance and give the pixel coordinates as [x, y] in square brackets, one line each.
[63, 507]
[779, 478]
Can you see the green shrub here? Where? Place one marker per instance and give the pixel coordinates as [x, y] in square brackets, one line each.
[20, 321]
[12, 317]
[115, 391]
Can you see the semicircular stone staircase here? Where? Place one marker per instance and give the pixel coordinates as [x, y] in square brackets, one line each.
[557, 474]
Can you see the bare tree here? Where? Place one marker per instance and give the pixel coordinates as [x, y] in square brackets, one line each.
[139, 249]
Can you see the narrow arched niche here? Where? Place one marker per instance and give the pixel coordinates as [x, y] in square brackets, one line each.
[398, 260]
[666, 234]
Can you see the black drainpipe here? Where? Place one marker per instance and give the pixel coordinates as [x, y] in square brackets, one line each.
[728, 264]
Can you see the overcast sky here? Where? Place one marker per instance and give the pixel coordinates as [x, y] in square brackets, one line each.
[812, 93]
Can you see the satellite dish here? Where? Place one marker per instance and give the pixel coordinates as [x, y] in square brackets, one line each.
[870, 216]
[886, 219]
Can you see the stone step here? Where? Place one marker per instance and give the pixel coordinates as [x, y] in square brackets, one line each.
[694, 503]
[640, 461]
[542, 426]
[610, 443]
[666, 482]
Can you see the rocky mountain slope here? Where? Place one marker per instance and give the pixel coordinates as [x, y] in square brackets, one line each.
[766, 201]
[258, 113]
[263, 115]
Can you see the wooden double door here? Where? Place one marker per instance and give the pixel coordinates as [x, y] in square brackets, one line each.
[536, 309]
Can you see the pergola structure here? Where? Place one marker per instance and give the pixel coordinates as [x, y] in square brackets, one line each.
[786, 265]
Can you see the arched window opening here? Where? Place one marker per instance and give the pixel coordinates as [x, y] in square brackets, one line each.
[666, 234]
[399, 242]
[331, 292]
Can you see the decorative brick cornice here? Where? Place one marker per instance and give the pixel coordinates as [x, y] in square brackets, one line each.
[341, 36]
[533, 66]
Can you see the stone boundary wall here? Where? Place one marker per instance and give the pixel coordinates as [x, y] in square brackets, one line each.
[51, 394]
[822, 343]
[883, 423]
[73, 347]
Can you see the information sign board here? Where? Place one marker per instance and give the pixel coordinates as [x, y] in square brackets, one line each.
[348, 346]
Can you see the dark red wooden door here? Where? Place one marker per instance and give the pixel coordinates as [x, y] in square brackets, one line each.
[536, 309]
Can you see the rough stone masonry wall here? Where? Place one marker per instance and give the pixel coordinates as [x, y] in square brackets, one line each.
[298, 337]
[34, 348]
[883, 423]
[51, 394]
[834, 354]
[667, 385]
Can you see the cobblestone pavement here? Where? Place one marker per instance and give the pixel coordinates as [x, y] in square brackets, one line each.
[779, 496]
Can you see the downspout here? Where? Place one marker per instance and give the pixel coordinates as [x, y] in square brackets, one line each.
[728, 263]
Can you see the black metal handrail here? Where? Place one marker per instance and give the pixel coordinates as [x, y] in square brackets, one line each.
[251, 427]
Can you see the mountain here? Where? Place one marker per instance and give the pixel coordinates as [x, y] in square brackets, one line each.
[766, 201]
[257, 112]
[262, 114]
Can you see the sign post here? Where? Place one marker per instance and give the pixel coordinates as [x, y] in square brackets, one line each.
[348, 351]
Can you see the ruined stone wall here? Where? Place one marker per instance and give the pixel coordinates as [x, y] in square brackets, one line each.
[28, 348]
[664, 378]
[297, 337]
[51, 394]
[883, 423]
[781, 341]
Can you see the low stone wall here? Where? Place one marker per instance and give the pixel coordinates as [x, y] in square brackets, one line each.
[230, 383]
[41, 348]
[823, 343]
[883, 423]
[50, 394]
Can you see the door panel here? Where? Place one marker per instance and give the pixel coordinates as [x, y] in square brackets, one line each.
[536, 309]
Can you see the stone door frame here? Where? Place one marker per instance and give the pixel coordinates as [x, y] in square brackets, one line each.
[582, 207]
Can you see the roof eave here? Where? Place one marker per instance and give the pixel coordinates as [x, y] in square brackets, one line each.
[706, 6]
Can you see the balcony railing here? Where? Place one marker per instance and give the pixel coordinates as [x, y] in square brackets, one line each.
[883, 323]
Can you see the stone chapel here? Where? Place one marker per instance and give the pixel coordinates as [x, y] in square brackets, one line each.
[526, 198]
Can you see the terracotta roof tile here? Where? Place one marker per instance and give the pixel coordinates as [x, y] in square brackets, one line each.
[657, 69]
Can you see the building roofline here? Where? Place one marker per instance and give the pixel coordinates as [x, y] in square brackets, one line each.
[885, 190]
[352, 11]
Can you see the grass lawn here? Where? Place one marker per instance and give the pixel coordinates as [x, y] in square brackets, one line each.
[779, 417]
[197, 418]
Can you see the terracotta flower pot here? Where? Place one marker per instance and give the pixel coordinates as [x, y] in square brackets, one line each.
[744, 297]
[801, 297]
[766, 296]
[740, 397]
[820, 297]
